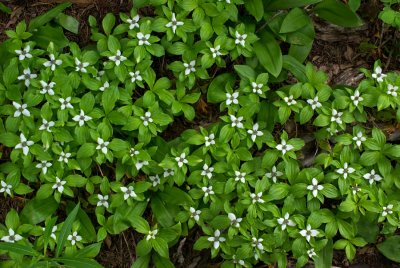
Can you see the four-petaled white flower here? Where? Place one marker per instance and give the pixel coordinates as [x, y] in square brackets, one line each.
[81, 118]
[236, 121]
[117, 58]
[74, 238]
[152, 234]
[290, 100]
[234, 259]
[155, 180]
[235, 222]
[46, 125]
[257, 243]
[209, 140]
[133, 152]
[143, 39]
[255, 132]
[24, 144]
[240, 176]
[207, 171]
[59, 185]
[346, 170]
[174, 23]
[308, 233]
[336, 116]
[104, 86]
[378, 75]
[372, 176]
[286, 221]
[53, 232]
[168, 172]
[392, 90]
[146, 118]
[356, 98]
[52, 63]
[284, 147]
[44, 165]
[240, 39]
[133, 23]
[24, 53]
[21, 109]
[216, 239]
[135, 76]
[64, 157]
[355, 189]
[311, 253]
[232, 98]
[102, 145]
[128, 192]
[139, 164]
[81, 66]
[256, 198]
[195, 214]
[314, 103]
[215, 51]
[314, 187]
[387, 210]
[181, 159]
[359, 138]
[65, 103]
[189, 67]
[274, 174]
[5, 188]
[256, 87]
[47, 88]
[27, 76]
[207, 190]
[11, 237]
[103, 200]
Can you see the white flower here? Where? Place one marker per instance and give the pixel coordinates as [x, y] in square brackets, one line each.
[257, 87]
[392, 90]
[255, 132]
[314, 187]
[5, 188]
[81, 66]
[387, 210]
[207, 190]
[74, 238]
[290, 100]
[53, 232]
[359, 138]
[257, 243]
[27, 76]
[152, 234]
[195, 214]
[236, 121]
[168, 172]
[189, 67]
[133, 152]
[143, 39]
[65, 103]
[118, 58]
[174, 23]
[356, 98]
[235, 222]
[24, 144]
[240, 176]
[234, 260]
[139, 164]
[232, 98]
[47, 88]
[52, 63]
[215, 51]
[128, 192]
[209, 140]
[207, 171]
[308, 233]
[147, 118]
[274, 174]
[372, 176]
[24, 53]
[104, 86]
[64, 157]
[285, 221]
[20, 109]
[378, 75]
[355, 189]
[155, 180]
[103, 200]
[11, 237]
[99, 75]
[133, 23]
[46, 125]
[81, 118]
[240, 38]
[314, 103]
[135, 76]
[284, 147]
[102, 145]
[44, 165]
[346, 170]
[59, 185]
[256, 198]
[311, 253]
[217, 239]
[336, 116]
[181, 159]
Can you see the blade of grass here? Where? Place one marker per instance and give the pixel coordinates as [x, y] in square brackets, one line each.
[48, 16]
[66, 230]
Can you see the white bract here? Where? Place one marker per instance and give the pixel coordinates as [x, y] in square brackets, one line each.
[133, 152]
[311, 253]
[235, 222]
[155, 180]
[81, 118]
[209, 140]
[207, 190]
[232, 98]
[236, 121]
[102, 145]
[47, 87]
[168, 172]
[346, 170]
[128, 192]
[24, 53]
[392, 90]
[74, 238]
[152, 234]
[146, 118]
[308, 233]
[181, 160]
[256, 198]
[372, 176]
[290, 100]
[240, 39]
[314, 187]
[5, 187]
[44, 165]
[104, 86]
[135, 76]
[133, 23]
[143, 39]
[52, 63]
[174, 23]
[356, 98]
[20, 109]
[103, 200]
[336, 116]
[53, 232]
[355, 189]
[274, 174]
[27, 76]
[189, 67]
[216, 239]
[215, 51]
[207, 171]
[117, 58]
[139, 164]
[359, 138]
[64, 157]
[254, 132]
[387, 210]
[46, 125]
[378, 75]
[11, 237]
[24, 144]
[257, 243]
[81, 66]
[195, 214]
[257, 87]
[284, 147]
[240, 176]
[59, 185]
[286, 221]
[314, 103]
[65, 103]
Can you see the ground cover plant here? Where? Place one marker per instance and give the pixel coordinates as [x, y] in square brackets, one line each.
[82, 128]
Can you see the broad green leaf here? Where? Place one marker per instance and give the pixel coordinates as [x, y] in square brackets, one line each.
[255, 8]
[337, 13]
[286, 4]
[68, 23]
[48, 16]
[18, 249]
[269, 53]
[216, 91]
[37, 210]
[66, 230]
[390, 248]
[294, 20]
[324, 257]
[78, 262]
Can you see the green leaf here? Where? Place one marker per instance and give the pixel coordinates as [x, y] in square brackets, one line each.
[141, 262]
[90, 251]
[86, 150]
[255, 8]
[216, 91]
[337, 13]
[18, 249]
[78, 262]
[5, 8]
[160, 246]
[245, 71]
[294, 20]
[295, 67]
[46, 34]
[286, 4]
[325, 256]
[108, 23]
[48, 16]
[163, 212]
[37, 210]
[66, 230]
[390, 248]
[9, 139]
[269, 54]
[68, 23]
